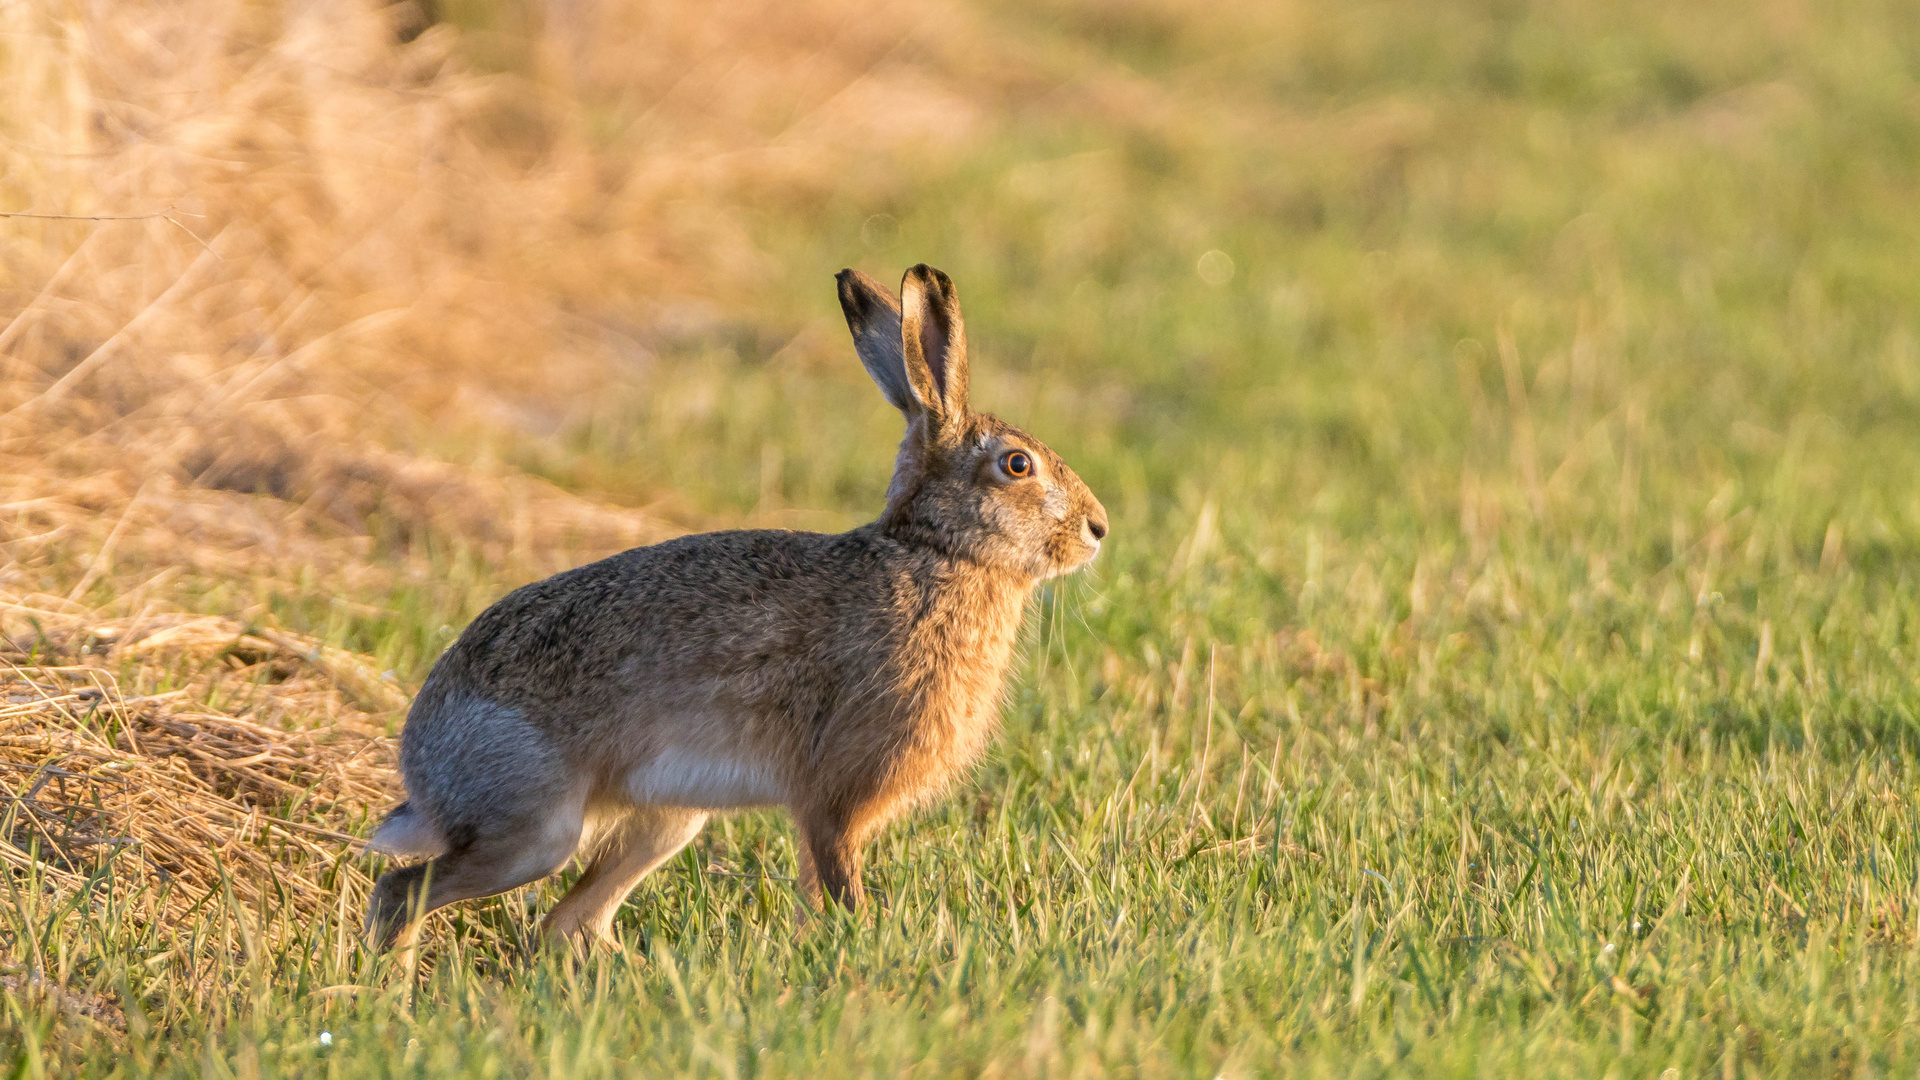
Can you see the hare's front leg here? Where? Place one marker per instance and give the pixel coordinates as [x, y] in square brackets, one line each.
[830, 860]
[647, 837]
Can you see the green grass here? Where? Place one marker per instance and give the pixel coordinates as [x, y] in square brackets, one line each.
[1504, 661]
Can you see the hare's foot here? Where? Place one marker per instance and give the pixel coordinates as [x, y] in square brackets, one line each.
[647, 837]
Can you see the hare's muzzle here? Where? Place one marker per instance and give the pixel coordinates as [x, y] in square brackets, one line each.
[1093, 529]
[1097, 523]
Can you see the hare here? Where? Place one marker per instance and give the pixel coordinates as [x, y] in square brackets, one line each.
[609, 710]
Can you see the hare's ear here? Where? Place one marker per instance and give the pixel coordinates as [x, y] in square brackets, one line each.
[874, 317]
[933, 342]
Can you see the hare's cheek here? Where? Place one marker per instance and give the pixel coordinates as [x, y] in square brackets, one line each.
[1056, 504]
[1026, 509]
[1003, 515]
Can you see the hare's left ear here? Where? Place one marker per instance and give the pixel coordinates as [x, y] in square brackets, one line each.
[874, 317]
[933, 343]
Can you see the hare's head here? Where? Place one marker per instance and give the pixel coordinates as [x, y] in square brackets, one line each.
[965, 482]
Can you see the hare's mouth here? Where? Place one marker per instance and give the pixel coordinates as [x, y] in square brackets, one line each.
[1088, 561]
[1072, 561]
[1093, 552]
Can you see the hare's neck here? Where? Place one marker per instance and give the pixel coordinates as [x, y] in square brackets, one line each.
[964, 642]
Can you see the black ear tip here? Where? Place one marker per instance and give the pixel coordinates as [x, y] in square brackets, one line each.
[853, 300]
[931, 279]
[864, 301]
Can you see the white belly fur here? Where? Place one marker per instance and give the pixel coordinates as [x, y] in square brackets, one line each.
[705, 782]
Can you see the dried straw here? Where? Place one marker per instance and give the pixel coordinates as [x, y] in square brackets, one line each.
[180, 794]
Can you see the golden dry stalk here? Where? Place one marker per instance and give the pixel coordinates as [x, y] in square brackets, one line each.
[197, 790]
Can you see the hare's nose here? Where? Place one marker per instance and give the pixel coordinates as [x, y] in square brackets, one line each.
[1097, 525]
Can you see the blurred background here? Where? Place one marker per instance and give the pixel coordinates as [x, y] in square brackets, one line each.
[1370, 303]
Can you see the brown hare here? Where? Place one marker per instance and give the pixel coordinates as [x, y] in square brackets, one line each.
[608, 710]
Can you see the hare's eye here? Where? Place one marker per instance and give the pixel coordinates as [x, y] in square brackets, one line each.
[1017, 464]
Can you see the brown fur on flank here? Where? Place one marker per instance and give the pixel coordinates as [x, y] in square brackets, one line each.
[613, 707]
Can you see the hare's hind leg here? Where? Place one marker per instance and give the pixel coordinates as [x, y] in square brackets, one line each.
[504, 804]
[647, 837]
[511, 853]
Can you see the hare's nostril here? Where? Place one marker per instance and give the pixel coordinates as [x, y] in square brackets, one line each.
[1098, 528]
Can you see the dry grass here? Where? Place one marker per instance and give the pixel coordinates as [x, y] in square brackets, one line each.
[246, 776]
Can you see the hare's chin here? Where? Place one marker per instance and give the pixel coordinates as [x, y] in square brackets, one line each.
[1062, 569]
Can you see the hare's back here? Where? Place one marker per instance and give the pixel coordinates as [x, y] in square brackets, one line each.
[778, 603]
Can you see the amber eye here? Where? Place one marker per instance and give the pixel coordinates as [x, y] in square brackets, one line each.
[1017, 464]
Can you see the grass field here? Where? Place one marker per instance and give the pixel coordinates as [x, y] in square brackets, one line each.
[1504, 662]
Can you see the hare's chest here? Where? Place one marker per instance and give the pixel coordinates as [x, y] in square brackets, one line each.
[964, 711]
[948, 737]
[980, 654]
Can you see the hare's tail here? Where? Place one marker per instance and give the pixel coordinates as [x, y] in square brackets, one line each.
[407, 832]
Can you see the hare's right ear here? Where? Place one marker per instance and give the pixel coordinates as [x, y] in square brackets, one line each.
[874, 317]
[933, 341]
